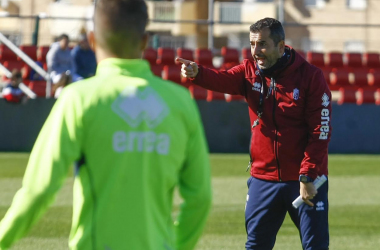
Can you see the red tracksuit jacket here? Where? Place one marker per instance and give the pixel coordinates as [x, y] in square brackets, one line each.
[294, 131]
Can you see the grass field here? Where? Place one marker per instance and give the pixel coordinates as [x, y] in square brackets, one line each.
[354, 205]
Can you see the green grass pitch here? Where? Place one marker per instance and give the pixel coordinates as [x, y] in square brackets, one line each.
[354, 197]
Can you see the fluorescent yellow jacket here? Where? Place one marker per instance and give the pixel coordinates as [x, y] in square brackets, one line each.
[134, 137]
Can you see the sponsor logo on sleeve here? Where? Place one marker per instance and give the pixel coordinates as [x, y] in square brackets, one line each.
[325, 128]
[325, 118]
[325, 100]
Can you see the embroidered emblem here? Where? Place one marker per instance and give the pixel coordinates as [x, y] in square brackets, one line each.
[256, 86]
[296, 94]
[325, 100]
[320, 206]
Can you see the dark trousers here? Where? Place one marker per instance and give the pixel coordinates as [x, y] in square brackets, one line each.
[266, 207]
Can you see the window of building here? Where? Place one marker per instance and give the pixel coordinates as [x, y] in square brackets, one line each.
[315, 3]
[4, 4]
[63, 1]
[256, 1]
[354, 46]
[357, 4]
[166, 40]
[14, 37]
[312, 45]
[230, 12]
[164, 11]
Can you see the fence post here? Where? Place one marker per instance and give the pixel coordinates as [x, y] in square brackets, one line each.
[155, 41]
[35, 32]
[211, 24]
[281, 13]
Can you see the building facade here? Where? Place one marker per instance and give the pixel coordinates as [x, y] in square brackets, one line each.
[317, 25]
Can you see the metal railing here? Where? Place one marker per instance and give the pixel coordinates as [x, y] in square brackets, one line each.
[22, 86]
[171, 42]
[28, 61]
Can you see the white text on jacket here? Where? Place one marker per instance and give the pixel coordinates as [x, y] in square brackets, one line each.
[325, 128]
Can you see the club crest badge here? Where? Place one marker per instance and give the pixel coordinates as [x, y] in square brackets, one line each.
[296, 94]
[257, 72]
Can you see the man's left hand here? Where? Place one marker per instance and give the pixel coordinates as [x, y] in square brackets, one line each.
[307, 192]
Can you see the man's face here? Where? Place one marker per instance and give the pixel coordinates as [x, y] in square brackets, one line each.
[264, 50]
[64, 43]
[15, 81]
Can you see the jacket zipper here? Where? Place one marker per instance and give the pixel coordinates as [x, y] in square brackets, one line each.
[275, 125]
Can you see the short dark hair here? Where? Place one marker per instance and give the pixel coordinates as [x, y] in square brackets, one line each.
[118, 22]
[277, 32]
[16, 74]
[63, 36]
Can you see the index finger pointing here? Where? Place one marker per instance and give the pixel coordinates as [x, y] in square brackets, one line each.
[184, 61]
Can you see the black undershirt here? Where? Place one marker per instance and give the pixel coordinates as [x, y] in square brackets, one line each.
[281, 64]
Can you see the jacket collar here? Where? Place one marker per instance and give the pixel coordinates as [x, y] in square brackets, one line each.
[294, 62]
[128, 67]
[279, 66]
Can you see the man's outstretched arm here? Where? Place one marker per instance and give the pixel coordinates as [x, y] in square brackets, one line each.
[57, 146]
[224, 81]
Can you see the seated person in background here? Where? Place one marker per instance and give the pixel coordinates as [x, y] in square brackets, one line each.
[11, 92]
[59, 60]
[65, 80]
[84, 58]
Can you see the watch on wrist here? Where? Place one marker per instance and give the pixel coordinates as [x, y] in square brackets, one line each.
[305, 179]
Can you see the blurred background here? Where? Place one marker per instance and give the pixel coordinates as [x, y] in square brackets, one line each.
[339, 36]
[316, 25]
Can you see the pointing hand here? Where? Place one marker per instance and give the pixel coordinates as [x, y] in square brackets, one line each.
[189, 68]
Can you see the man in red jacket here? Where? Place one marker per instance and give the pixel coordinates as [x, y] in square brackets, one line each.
[290, 112]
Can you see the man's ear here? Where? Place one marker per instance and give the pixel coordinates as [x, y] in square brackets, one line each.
[144, 41]
[91, 40]
[281, 47]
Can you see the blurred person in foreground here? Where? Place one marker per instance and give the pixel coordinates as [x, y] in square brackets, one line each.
[59, 60]
[12, 92]
[84, 58]
[133, 136]
[290, 110]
